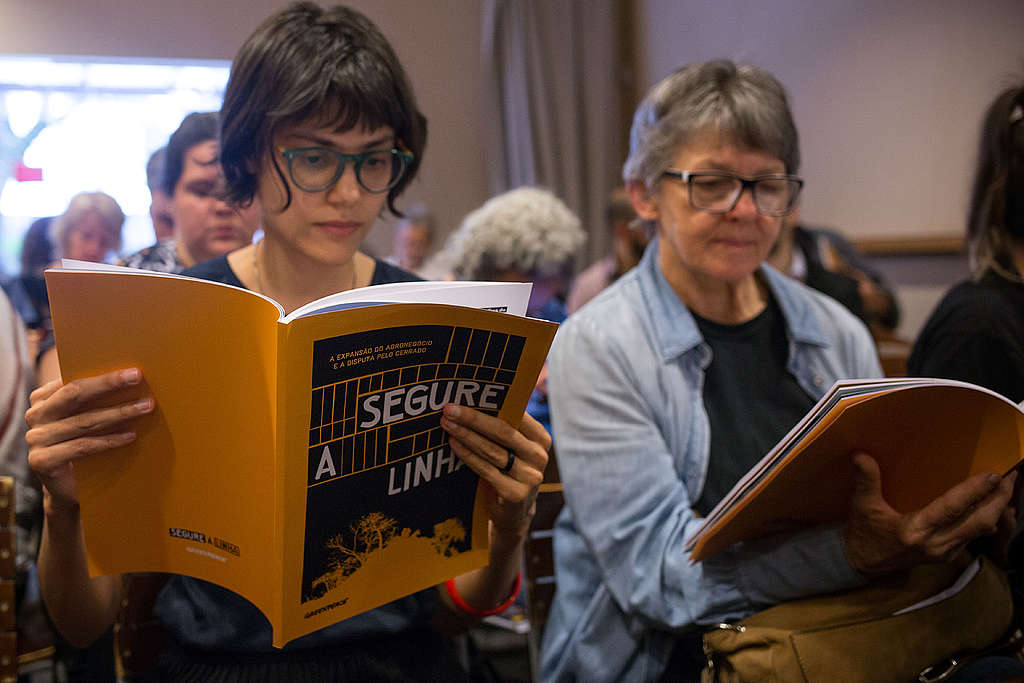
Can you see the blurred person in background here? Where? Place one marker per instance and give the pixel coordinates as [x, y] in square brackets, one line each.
[27, 290]
[16, 379]
[160, 204]
[37, 251]
[90, 228]
[825, 260]
[629, 239]
[414, 235]
[205, 226]
[524, 235]
[976, 333]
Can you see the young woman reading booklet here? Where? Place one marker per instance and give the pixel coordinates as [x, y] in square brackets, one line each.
[320, 125]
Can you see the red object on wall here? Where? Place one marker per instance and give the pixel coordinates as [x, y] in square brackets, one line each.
[23, 173]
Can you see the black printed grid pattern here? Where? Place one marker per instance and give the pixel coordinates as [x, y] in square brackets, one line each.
[479, 355]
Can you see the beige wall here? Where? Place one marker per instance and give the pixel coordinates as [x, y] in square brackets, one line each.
[887, 94]
[888, 97]
[439, 43]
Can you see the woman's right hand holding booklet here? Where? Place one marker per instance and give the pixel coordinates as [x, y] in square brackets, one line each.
[78, 419]
[880, 539]
[67, 422]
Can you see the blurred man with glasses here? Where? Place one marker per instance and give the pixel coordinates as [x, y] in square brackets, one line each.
[205, 227]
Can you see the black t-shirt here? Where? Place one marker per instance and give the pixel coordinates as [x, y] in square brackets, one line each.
[752, 400]
[976, 334]
[219, 270]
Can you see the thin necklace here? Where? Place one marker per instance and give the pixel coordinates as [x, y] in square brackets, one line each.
[258, 252]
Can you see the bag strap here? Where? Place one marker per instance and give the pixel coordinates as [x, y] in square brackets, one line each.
[1011, 644]
[709, 674]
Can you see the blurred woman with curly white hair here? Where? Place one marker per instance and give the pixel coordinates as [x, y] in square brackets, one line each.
[524, 235]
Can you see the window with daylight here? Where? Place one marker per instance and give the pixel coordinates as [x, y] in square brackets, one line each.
[72, 124]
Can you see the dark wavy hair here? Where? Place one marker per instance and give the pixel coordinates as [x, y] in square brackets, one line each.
[308, 64]
[996, 215]
[194, 129]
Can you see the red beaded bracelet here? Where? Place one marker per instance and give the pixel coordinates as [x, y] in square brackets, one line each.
[469, 609]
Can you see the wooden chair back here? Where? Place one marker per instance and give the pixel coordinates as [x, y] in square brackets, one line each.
[8, 578]
[539, 572]
[893, 353]
[26, 643]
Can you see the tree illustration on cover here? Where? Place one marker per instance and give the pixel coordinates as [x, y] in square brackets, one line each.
[376, 541]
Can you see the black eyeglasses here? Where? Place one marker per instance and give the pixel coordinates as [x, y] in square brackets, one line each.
[718, 191]
[314, 169]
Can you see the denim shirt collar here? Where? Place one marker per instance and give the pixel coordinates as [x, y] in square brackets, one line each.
[675, 329]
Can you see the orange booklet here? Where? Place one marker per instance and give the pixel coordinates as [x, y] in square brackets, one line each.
[926, 434]
[295, 460]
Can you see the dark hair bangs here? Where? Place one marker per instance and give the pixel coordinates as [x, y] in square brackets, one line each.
[343, 103]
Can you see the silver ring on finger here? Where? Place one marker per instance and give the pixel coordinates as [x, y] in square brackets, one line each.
[511, 461]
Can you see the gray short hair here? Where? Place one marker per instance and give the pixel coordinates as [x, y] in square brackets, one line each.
[82, 204]
[741, 103]
[528, 229]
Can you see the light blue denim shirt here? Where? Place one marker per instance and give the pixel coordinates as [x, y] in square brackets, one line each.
[626, 373]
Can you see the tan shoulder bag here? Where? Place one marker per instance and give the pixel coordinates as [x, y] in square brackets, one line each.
[892, 630]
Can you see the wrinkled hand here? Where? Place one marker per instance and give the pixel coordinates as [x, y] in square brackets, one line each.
[66, 422]
[880, 539]
[483, 443]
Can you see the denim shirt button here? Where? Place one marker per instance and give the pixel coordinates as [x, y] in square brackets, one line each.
[818, 380]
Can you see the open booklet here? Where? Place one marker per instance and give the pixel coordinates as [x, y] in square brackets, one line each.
[297, 460]
[926, 434]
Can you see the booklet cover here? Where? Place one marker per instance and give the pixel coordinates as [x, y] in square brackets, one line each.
[295, 460]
